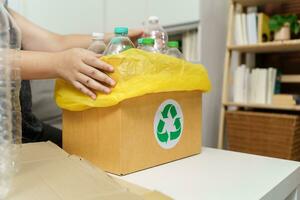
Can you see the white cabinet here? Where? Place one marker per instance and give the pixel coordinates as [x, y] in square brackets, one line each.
[129, 13]
[174, 12]
[132, 13]
[78, 16]
[64, 16]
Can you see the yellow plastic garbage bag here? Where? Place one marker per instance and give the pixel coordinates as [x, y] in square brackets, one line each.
[137, 73]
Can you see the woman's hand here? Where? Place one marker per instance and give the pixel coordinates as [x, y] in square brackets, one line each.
[85, 71]
[133, 34]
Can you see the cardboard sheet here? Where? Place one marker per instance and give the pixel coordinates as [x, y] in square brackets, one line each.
[49, 173]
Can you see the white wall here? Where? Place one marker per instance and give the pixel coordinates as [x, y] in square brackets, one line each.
[87, 16]
[63, 16]
[213, 39]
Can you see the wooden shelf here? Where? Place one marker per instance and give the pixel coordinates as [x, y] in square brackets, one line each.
[290, 79]
[256, 2]
[263, 48]
[264, 106]
[268, 47]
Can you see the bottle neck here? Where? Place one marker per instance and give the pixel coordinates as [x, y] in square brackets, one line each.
[148, 45]
[121, 35]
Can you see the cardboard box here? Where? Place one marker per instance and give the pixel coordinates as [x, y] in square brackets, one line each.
[138, 133]
[49, 173]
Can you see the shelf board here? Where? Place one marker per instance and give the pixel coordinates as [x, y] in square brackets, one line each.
[264, 106]
[256, 2]
[268, 47]
[290, 79]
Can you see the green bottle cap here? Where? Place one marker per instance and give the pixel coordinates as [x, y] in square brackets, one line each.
[140, 41]
[148, 41]
[121, 30]
[173, 44]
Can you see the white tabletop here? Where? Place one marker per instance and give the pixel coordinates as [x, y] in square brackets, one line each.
[223, 175]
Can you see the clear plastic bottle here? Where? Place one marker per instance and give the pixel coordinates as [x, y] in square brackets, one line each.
[155, 30]
[148, 45]
[173, 50]
[6, 153]
[140, 43]
[119, 43]
[15, 76]
[98, 46]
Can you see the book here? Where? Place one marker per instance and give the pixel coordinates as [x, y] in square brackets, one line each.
[256, 86]
[240, 87]
[252, 25]
[238, 27]
[271, 84]
[250, 60]
[244, 29]
[286, 99]
[263, 29]
[261, 87]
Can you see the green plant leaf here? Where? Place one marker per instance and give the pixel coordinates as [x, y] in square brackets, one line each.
[278, 21]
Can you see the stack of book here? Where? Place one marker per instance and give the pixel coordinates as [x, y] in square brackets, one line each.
[250, 27]
[255, 86]
[286, 99]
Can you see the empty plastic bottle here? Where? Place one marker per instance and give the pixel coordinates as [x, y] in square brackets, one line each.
[148, 45]
[119, 43]
[15, 80]
[173, 50]
[140, 43]
[6, 152]
[15, 46]
[155, 30]
[98, 46]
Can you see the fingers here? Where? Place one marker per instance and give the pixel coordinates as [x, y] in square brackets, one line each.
[97, 75]
[135, 33]
[93, 84]
[94, 61]
[84, 89]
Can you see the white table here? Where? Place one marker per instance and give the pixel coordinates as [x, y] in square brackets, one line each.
[223, 175]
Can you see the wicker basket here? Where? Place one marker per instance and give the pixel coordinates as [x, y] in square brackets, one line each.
[273, 135]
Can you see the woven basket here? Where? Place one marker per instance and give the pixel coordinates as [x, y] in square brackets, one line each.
[273, 135]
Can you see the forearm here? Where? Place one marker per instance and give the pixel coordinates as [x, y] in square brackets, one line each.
[36, 65]
[55, 42]
[35, 38]
[75, 41]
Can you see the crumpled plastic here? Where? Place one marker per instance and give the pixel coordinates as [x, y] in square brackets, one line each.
[137, 73]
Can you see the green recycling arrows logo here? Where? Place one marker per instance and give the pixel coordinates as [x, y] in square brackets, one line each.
[168, 124]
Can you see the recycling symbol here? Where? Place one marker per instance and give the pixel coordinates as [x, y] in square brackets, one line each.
[168, 124]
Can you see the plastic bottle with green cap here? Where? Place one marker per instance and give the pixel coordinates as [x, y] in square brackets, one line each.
[119, 43]
[173, 50]
[140, 43]
[148, 45]
[156, 31]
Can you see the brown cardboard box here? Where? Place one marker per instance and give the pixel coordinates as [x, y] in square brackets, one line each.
[127, 137]
[49, 173]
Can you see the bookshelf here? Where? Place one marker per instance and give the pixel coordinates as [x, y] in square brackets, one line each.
[256, 2]
[263, 106]
[290, 79]
[267, 47]
[261, 48]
